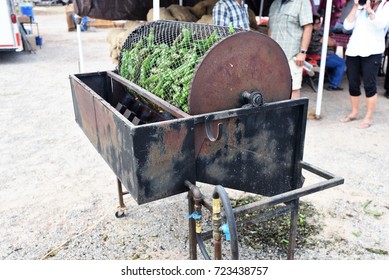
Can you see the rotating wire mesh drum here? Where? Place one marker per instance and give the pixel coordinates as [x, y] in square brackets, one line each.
[202, 68]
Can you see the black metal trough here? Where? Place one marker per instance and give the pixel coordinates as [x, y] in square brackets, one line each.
[258, 149]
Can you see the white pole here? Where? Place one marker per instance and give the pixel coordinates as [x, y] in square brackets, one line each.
[181, 2]
[323, 56]
[260, 10]
[81, 66]
[155, 10]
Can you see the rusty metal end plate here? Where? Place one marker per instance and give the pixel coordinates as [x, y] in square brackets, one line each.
[245, 61]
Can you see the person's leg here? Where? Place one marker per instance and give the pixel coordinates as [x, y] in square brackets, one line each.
[337, 65]
[297, 78]
[370, 68]
[296, 94]
[354, 107]
[354, 80]
[387, 77]
[371, 103]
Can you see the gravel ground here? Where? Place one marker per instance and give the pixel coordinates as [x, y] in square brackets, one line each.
[58, 197]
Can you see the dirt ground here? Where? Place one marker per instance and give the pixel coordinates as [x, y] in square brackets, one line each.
[58, 196]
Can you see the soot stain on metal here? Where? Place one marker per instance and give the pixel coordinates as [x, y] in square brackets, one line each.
[164, 152]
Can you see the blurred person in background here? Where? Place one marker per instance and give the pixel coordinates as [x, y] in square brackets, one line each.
[336, 11]
[314, 9]
[346, 8]
[386, 86]
[231, 12]
[334, 63]
[290, 25]
[369, 22]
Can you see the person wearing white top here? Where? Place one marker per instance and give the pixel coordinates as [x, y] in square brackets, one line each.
[386, 84]
[369, 23]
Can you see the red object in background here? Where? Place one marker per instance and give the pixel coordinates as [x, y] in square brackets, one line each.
[336, 10]
[341, 39]
[261, 20]
[13, 18]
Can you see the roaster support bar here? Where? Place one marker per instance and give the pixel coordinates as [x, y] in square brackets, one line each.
[290, 199]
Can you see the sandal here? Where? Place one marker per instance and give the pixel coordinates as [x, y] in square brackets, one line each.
[348, 119]
[364, 125]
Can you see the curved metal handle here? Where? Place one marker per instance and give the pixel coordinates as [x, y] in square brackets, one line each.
[208, 130]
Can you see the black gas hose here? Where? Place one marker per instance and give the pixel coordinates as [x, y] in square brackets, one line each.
[230, 221]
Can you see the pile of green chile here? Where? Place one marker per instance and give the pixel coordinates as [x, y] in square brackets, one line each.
[166, 70]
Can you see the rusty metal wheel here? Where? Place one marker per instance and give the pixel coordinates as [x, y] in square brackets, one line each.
[244, 61]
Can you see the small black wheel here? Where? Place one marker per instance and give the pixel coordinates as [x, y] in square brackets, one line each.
[121, 213]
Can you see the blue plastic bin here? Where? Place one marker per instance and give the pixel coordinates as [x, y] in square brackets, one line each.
[27, 10]
[38, 40]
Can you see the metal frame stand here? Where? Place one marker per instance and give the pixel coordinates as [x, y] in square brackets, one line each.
[122, 208]
[290, 199]
[196, 201]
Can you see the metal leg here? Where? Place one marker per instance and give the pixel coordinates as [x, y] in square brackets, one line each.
[293, 229]
[122, 209]
[216, 226]
[192, 228]
[196, 236]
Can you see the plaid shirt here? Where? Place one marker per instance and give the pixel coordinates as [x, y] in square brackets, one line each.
[286, 21]
[229, 11]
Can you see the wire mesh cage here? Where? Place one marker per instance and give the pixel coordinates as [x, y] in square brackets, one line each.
[162, 56]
